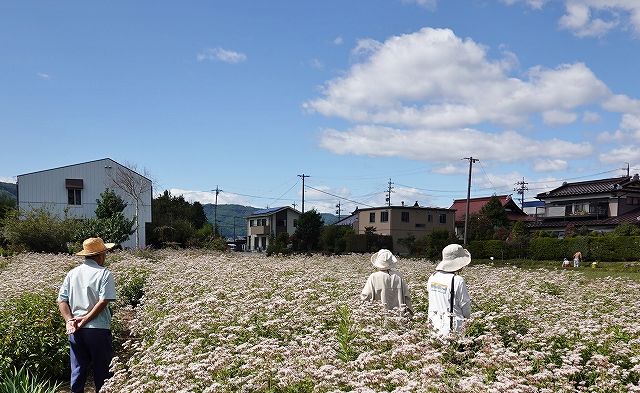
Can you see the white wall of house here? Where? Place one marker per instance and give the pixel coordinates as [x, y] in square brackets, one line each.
[48, 189]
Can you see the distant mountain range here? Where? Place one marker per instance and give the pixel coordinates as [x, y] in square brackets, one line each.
[232, 218]
[10, 189]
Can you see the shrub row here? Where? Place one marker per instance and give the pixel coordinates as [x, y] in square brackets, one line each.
[603, 248]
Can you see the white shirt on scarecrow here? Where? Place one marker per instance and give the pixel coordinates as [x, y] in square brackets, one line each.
[387, 285]
[441, 315]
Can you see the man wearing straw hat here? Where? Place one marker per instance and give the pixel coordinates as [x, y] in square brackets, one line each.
[83, 302]
[449, 301]
[387, 285]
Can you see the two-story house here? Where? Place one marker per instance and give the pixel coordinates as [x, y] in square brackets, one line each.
[401, 222]
[266, 222]
[514, 213]
[598, 205]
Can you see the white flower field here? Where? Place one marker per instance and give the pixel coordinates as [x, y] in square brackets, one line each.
[233, 322]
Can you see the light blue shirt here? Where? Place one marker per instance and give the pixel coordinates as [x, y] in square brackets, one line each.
[83, 287]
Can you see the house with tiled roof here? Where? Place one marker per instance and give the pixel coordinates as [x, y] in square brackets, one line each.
[264, 223]
[599, 205]
[514, 213]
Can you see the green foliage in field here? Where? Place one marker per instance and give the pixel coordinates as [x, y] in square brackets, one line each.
[22, 381]
[346, 333]
[39, 230]
[32, 335]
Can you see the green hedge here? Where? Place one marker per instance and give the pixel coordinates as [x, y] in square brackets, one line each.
[593, 248]
[32, 335]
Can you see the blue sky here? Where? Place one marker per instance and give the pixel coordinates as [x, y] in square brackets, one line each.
[246, 95]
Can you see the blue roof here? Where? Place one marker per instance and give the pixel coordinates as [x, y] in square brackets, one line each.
[533, 204]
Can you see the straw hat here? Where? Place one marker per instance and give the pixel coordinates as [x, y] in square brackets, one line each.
[94, 246]
[383, 259]
[454, 258]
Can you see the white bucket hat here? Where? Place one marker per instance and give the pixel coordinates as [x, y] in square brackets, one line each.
[383, 259]
[454, 258]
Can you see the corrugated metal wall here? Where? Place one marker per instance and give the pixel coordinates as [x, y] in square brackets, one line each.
[47, 189]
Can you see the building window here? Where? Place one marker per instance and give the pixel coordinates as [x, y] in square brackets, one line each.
[384, 216]
[251, 223]
[421, 225]
[295, 223]
[372, 217]
[404, 217]
[429, 218]
[74, 196]
[443, 218]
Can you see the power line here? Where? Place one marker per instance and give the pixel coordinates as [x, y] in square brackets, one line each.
[338, 196]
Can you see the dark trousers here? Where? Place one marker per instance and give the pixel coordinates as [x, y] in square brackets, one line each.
[90, 347]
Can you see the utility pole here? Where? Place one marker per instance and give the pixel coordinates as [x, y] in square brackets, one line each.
[466, 215]
[520, 190]
[338, 210]
[627, 168]
[389, 190]
[303, 176]
[215, 212]
[234, 228]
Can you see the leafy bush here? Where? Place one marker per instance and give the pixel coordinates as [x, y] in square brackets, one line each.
[278, 245]
[39, 230]
[32, 335]
[131, 286]
[22, 381]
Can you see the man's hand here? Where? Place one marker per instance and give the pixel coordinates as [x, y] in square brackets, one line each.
[72, 326]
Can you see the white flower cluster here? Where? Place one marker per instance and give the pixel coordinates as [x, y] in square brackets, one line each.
[230, 322]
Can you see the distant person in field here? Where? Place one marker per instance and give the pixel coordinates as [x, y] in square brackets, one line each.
[83, 301]
[566, 263]
[577, 258]
[386, 285]
[449, 301]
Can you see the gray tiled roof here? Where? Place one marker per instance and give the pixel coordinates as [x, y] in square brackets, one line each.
[586, 187]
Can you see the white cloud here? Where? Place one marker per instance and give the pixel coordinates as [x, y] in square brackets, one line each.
[434, 79]
[220, 54]
[429, 145]
[594, 18]
[365, 47]
[579, 20]
[450, 170]
[535, 4]
[608, 137]
[43, 76]
[590, 117]
[555, 117]
[630, 153]
[550, 165]
[8, 179]
[622, 103]
[338, 40]
[210, 197]
[316, 64]
[428, 4]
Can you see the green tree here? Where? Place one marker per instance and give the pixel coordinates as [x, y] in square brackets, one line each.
[110, 223]
[175, 221]
[39, 230]
[334, 238]
[495, 212]
[626, 230]
[7, 204]
[480, 227]
[109, 204]
[308, 230]
[518, 239]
